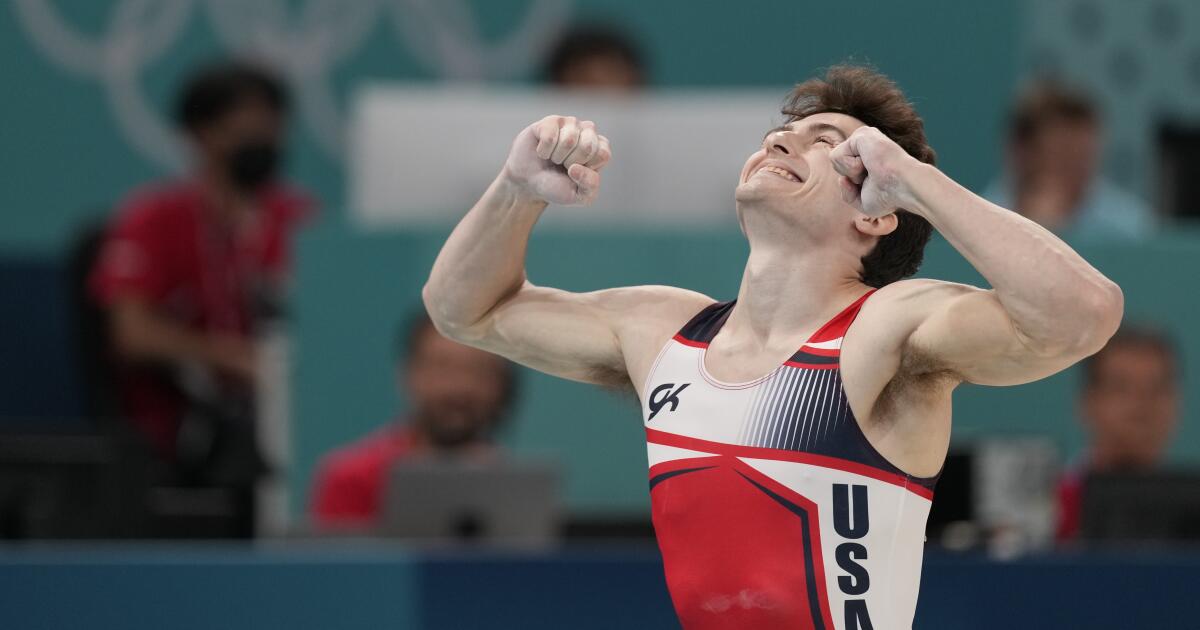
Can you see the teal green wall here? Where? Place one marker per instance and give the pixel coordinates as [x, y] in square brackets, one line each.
[64, 158]
[353, 288]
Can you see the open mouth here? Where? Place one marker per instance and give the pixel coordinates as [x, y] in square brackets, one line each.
[781, 172]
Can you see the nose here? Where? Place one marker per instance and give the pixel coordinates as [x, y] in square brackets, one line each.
[777, 143]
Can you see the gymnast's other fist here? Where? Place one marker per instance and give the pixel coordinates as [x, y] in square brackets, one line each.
[558, 160]
[875, 173]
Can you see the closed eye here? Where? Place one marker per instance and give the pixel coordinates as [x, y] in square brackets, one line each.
[826, 140]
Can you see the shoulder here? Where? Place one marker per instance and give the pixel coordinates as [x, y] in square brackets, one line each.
[643, 320]
[878, 356]
[1119, 210]
[893, 313]
[141, 238]
[365, 456]
[914, 298]
[651, 308]
[156, 204]
[661, 299]
[1114, 197]
[920, 291]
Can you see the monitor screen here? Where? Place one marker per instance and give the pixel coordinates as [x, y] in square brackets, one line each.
[1142, 507]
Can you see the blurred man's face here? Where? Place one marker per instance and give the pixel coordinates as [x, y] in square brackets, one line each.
[456, 391]
[1063, 155]
[244, 144]
[1132, 408]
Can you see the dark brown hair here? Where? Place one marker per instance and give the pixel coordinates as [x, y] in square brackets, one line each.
[869, 96]
[1046, 102]
[588, 41]
[212, 91]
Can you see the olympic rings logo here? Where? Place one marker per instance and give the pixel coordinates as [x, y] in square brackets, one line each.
[305, 46]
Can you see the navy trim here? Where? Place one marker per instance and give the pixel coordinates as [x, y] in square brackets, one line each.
[867, 454]
[657, 479]
[810, 574]
[812, 359]
[705, 325]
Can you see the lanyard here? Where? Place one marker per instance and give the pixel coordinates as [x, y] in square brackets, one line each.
[226, 273]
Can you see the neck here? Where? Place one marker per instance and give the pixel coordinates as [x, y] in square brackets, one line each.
[785, 293]
[1102, 459]
[229, 206]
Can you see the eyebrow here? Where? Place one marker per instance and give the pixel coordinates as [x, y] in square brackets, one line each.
[814, 128]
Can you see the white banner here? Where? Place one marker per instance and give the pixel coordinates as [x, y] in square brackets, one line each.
[421, 155]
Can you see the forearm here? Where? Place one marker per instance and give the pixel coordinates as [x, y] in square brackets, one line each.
[483, 261]
[1053, 296]
[139, 334]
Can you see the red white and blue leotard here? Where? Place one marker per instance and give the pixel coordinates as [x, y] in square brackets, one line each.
[772, 509]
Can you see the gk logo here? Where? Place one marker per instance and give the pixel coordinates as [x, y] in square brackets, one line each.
[669, 397]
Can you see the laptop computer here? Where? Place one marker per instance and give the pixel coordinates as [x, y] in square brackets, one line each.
[499, 502]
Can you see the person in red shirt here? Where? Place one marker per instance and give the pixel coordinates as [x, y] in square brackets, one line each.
[457, 395]
[1129, 407]
[189, 268]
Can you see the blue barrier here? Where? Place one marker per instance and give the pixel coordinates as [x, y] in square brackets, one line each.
[376, 585]
[206, 588]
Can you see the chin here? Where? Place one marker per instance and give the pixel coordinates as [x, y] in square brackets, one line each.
[761, 200]
[751, 191]
[741, 190]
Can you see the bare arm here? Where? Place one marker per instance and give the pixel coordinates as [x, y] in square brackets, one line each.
[1049, 307]
[141, 334]
[478, 293]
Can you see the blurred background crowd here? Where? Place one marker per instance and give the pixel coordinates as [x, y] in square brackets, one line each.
[217, 217]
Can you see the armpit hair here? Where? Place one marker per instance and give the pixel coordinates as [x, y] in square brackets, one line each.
[918, 376]
[615, 382]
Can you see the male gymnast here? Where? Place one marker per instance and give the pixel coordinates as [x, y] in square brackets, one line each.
[795, 433]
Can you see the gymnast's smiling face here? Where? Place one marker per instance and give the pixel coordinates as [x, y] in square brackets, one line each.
[789, 186]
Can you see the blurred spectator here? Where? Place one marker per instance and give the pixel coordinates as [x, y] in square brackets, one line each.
[1129, 407]
[1053, 156]
[190, 267]
[457, 396]
[596, 57]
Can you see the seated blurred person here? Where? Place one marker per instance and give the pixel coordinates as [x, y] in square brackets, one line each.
[595, 57]
[457, 397]
[1129, 407]
[190, 267]
[1053, 158]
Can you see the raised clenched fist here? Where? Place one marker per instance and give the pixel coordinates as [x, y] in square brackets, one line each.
[872, 167]
[558, 159]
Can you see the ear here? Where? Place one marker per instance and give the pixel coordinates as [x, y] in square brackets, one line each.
[876, 226]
